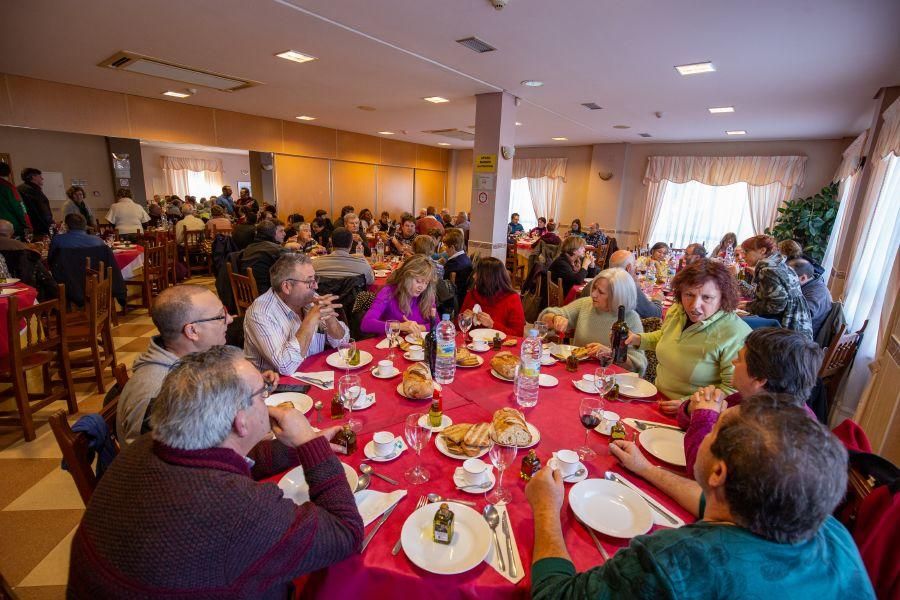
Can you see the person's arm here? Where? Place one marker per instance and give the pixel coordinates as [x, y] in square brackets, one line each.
[635, 355]
[729, 350]
[369, 274]
[686, 492]
[513, 318]
[705, 405]
[646, 307]
[569, 275]
[373, 321]
[283, 353]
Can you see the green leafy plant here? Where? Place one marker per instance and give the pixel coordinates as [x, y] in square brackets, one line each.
[808, 221]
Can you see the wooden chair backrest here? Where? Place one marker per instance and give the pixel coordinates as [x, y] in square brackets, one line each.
[194, 239]
[243, 287]
[554, 291]
[98, 301]
[602, 253]
[841, 351]
[43, 329]
[154, 260]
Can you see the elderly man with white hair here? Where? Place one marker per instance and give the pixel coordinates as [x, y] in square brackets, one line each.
[188, 223]
[182, 513]
[645, 308]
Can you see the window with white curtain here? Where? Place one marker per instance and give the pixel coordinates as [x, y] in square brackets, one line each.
[693, 212]
[204, 184]
[520, 202]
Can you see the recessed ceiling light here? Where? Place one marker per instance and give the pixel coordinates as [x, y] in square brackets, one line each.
[306, 118]
[721, 109]
[560, 139]
[694, 68]
[518, 123]
[295, 56]
[443, 144]
[532, 83]
[736, 132]
[436, 99]
[176, 94]
[386, 132]
[621, 126]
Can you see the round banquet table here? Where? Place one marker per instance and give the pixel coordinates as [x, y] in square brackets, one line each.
[473, 397]
[129, 260]
[27, 296]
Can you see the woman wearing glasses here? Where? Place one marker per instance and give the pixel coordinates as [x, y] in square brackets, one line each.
[408, 297]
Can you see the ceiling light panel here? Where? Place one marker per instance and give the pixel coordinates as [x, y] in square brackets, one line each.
[736, 132]
[560, 139]
[532, 83]
[435, 99]
[721, 109]
[295, 56]
[695, 68]
[591, 106]
[386, 132]
[443, 144]
[476, 45]
[176, 94]
[306, 118]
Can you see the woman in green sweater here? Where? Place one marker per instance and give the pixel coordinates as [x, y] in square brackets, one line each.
[592, 318]
[700, 335]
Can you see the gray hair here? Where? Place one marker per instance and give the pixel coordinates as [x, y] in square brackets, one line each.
[199, 398]
[621, 261]
[283, 269]
[351, 215]
[187, 209]
[622, 291]
[304, 227]
[174, 308]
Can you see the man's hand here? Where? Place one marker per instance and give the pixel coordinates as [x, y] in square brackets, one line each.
[546, 491]
[629, 456]
[290, 426]
[270, 377]
[323, 308]
[670, 407]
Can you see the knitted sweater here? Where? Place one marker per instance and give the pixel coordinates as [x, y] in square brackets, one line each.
[592, 325]
[167, 523]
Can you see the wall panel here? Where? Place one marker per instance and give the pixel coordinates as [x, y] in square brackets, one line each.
[247, 132]
[161, 120]
[352, 183]
[309, 140]
[358, 147]
[395, 191]
[301, 185]
[430, 189]
[429, 157]
[398, 154]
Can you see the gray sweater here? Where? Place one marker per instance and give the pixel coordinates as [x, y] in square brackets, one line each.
[150, 368]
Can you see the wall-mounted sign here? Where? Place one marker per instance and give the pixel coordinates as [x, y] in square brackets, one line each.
[483, 197]
[486, 163]
[484, 181]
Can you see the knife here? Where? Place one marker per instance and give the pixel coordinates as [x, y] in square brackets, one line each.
[378, 525]
[513, 572]
[648, 424]
[603, 552]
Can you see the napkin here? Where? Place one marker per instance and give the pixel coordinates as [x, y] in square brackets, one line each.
[326, 376]
[658, 519]
[372, 503]
[492, 556]
[383, 344]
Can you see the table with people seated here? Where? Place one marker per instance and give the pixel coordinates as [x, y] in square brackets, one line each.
[129, 260]
[26, 296]
[472, 397]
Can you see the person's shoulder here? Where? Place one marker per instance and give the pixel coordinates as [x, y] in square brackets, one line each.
[732, 323]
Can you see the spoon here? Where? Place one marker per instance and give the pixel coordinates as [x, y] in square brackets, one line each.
[493, 519]
[432, 498]
[363, 482]
[369, 471]
[575, 475]
[318, 407]
[475, 486]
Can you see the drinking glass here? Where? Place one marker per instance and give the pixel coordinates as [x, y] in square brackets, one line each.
[603, 380]
[345, 351]
[466, 320]
[501, 457]
[392, 331]
[541, 328]
[417, 437]
[590, 411]
[349, 387]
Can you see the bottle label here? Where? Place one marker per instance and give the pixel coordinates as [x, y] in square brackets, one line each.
[446, 350]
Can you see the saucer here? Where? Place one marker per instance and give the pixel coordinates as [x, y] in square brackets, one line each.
[445, 423]
[407, 356]
[584, 387]
[369, 451]
[472, 347]
[374, 372]
[548, 361]
[554, 464]
[545, 380]
[459, 481]
[364, 403]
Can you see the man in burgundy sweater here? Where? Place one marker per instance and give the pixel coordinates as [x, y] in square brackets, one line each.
[180, 513]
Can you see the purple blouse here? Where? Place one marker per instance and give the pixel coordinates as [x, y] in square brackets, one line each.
[385, 308]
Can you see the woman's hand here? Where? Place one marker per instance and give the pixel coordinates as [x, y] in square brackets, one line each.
[596, 349]
[707, 398]
[485, 320]
[633, 339]
[670, 407]
[407, 326]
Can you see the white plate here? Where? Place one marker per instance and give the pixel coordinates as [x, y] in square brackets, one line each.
[301, 402]
[553, 463]
[545, 380]
[548, 361]
[634, 387]
[583, 387]
[472, 347]
[501, 377]
[480, 362]
[414, 339]
[409, 357]
[460, 481]
[369, 451]
[610, 508]
[562, 351]
[486, 334]
[295, 487]
[441, 445]
[664, 444]
[10, 281]
[446, 422]
[400, 391]
[337, 362]
[381, 274]
[361, 404]
[374, 372]
[535, 436]
[469, 546]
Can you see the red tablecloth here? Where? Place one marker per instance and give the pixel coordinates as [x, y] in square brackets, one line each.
[129, 260]
[25, 298]
[472, 397]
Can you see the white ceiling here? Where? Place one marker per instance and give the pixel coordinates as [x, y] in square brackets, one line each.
[793, 69]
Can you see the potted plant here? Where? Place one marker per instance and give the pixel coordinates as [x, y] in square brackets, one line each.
[808, 221]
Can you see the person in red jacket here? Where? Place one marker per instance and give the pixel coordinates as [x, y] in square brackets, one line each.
[501, 306]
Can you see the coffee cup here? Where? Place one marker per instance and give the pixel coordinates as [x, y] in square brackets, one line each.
[417, 353]
[545, 353]
[588, 380]
[479, 344]
[384, 443]
[608, 419]
[385, 368]
[567, 461]
[475, 471]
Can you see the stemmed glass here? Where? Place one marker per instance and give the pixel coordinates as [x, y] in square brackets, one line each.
[417, 437]
[466, 320]
[501, 457]
[589, 411]
[345, 351]
[603, 379]
[349, 387]
[391, 330]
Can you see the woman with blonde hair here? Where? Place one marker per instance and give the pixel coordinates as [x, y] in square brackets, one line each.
[573, 263]
[408, 297]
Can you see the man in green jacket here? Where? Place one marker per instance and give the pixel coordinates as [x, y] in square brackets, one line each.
[11, 207]
[770, 477]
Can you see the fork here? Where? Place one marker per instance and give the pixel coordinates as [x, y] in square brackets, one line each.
[396, 549]
[644, 426]
[314, 380]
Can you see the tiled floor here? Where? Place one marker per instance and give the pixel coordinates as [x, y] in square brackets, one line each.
[39, 505]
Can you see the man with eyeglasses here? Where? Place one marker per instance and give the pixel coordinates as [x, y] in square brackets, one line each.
[190, 318]
[291, 321]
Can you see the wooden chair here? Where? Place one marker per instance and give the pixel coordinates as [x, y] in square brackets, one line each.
[153, 278]
[171, 263]
[555, 295]
[95, 334]
[838, 359]
[602, 254]
[74, 447]
[651, 324]
[243, 289]
[193, 248]
[41, 345]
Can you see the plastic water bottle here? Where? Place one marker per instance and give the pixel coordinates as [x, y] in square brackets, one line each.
[445, 365]
[379, 250]
[529, 370]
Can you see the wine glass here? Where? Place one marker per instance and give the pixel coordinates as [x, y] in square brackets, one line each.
[590, 411]
[392, 330]
[466, 320]
[345, 351]
[349, 387]
[417, 437]
[501, 457]
[603, 380]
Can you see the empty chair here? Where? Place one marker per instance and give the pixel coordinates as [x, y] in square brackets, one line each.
[243, 289]
[152, 279]
[94, 334]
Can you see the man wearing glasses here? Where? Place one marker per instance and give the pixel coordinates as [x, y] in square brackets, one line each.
[291, 321]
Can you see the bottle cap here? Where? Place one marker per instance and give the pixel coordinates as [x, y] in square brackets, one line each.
[532, 332]
[445, 317]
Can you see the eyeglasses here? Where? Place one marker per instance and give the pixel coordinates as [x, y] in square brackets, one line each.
[221, 317]
[312, 282]
[265, 391]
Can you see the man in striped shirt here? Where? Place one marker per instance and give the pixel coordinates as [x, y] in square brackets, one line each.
[290, 321]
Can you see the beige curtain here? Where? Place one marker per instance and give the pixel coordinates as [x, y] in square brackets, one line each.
[852, 158]
[535, 168]
[545, 196]
[186, 163]
[889, 136]
[846, 192]
[764, 202]
[726, 170]
[656, 190]
[181, 171]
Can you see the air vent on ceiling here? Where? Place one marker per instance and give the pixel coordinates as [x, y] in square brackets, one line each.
[591, 105]
[645, 135]
[145, 65]
[456, 134]
[476, 45]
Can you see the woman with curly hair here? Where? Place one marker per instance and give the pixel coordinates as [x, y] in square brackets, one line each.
[700, 336]
[408, 297]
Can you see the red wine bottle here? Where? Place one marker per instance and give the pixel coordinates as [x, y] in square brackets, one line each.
[618, 334]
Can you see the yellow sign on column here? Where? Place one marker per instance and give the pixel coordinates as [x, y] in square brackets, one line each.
[486, 163]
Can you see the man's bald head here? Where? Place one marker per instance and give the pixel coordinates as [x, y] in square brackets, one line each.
[176, 307]
[6, 229]
[622, 259]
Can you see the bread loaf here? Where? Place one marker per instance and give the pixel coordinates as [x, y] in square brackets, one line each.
[466, 439]
[505, 364]
[417, 383]
[464, 358]
[510, 428]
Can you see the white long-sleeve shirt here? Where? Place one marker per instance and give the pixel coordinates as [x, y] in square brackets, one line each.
[127, 216]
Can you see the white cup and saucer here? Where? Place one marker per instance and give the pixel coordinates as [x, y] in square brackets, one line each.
[607, 421]
[384, 446]
[568, 463]
[479, 345]
[415, 354]
[473, 474]
[586, 384]
[385, 370]
[546, 359]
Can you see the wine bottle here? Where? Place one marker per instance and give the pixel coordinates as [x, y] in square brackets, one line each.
[430, 346]
[618, 334]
